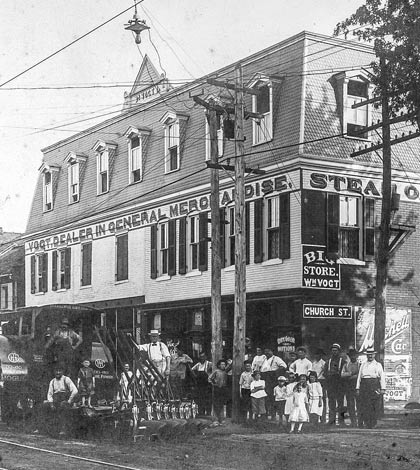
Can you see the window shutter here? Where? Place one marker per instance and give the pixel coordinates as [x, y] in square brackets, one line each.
[67, 268]
[313, 217]
[122, 257]
[172, 247]
[33, 278]
[333, 222]
[369, 220]
[86, 264]
[153, 251]
[182, 255]
[54, 282]
[258, 231]
[203, 241]
[247, 233]
[284, 218]
[222, 215]
[44, 258]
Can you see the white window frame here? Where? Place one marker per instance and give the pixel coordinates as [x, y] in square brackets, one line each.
[5, 297]
[345, 101]
[102, 150]
[163, 259]
[353, 224]
[48, 188]
[272, 224]
[230, 236]
[47, 192]
[130, 134]
[262, 129]
[74, 162]
[193, 243]
[220, 138]
[171, 122]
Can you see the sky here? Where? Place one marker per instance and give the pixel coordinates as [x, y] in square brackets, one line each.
[192, 37]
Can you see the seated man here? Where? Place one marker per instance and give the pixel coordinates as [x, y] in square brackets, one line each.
[54, 412]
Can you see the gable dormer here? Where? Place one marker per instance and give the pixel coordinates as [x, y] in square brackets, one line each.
[148, 85]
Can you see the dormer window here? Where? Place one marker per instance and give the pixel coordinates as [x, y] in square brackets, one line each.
[351, 89]
[49, 183]
[47, 191]
[102, 150]
[171, 125]
[74, 163]
[135, 153]
[262, 129]
[357, 118]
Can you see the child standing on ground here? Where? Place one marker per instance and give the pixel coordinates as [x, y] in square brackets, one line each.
[218, 379]
[299, 413]
[280, 395]
[289, 394]
[316, 405]
[86, 383]
[258, 395]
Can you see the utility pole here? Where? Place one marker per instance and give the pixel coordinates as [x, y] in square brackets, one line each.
[384, 233]
[385, 248]
[216, 262]
[240, 247]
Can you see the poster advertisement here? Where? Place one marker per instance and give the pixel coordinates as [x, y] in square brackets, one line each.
[398, 353]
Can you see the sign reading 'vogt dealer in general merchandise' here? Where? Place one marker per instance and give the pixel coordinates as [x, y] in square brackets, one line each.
[319, 271]
[327, 311]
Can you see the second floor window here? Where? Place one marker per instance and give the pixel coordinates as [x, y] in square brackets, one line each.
[273, 228]
[194, 242]
[39, 273]
[61, 269]
[163, 249]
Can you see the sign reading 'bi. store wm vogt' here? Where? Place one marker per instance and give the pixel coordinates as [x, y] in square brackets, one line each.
[319, 271]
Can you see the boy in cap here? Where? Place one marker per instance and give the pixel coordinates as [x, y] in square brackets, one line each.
[258, 395]
[280, 395]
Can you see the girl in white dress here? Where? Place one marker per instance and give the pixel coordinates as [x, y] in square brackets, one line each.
[299, 413]
[289, 394]
[316, 406]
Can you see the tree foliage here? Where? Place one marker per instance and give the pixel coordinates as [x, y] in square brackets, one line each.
[393, 27]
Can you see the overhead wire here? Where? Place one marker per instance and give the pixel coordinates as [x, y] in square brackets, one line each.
[70, 44]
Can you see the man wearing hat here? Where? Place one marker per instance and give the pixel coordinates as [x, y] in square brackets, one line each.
[157, 353]
[370, 386]
[334, 384]
[349, 375]
[63, 343]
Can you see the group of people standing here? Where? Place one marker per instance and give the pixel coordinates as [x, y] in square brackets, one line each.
[299, 390]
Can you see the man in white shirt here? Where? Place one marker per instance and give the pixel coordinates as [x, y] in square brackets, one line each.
[370, 386]
[157, 353]
[302, 365]
[271, 368]
[55, 411]
[258, 360]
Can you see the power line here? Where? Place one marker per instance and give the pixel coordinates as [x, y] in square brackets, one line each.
[70, 44]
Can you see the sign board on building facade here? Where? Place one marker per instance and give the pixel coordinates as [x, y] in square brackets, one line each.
[319, 271]
[344, 312]
[398, 351]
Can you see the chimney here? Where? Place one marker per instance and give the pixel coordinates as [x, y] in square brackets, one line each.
[1, 230]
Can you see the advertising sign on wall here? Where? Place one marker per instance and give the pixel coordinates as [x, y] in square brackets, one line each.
[398, 354]
[319, 271]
